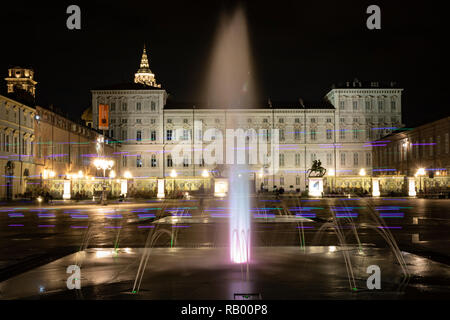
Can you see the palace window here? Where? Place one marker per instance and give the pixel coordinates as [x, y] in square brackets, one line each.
[368, 159]
[342, 134]
[169, 135]
[355, 105]
[152, 121]
[153, 135]
[139, 121]
[342, 104]
[281, 120]
[342, 159]
[281, 134]
[297, 180]
[153, 106]
[138, 135]
[297, 120]
[281, 181]
[313, 134]
[124, 106]
[186, 161]
[169, 161]
[393, 105]
[355, 159]
[113, 106]
[329, 159]
[329, 134]
[185, 134]
[138, 106]
[297, 159]
[281, 156]
[153, 161]
[138, 161]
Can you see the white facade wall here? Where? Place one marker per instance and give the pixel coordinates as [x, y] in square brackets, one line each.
[17, 123]
[345, 153]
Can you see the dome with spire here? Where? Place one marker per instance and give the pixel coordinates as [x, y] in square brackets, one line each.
[144, 75]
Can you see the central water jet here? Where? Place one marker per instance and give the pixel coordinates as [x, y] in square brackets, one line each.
[230, 85]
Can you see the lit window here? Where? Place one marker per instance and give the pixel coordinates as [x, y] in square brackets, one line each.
[138, 162]
[169, 135]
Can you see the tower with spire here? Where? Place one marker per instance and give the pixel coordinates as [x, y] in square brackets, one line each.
[144, 75]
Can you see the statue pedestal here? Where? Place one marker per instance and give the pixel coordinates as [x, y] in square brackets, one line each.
[161, 189]
[220, 187]
[411, 186]
[315, 187]
[375, 187]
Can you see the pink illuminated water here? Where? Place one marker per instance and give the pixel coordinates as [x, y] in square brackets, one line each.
[240, 215]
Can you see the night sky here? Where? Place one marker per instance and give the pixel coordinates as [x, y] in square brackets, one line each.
[300, 48]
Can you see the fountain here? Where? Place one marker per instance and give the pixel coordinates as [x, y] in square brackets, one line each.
[230, 86]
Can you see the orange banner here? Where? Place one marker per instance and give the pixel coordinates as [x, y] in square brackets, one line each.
[103, 117]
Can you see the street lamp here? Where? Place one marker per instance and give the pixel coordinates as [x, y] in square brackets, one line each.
[362, 172]
[127, 175]
[104, 165]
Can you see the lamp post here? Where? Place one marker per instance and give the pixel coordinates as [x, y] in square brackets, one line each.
[104, 165]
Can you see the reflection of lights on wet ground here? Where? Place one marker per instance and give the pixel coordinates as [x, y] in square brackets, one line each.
[332, 249]
[382, 227]
[15, 215]
[79, 216]
[104, 253]
[305, 215]
[392, 215]
[46, 215]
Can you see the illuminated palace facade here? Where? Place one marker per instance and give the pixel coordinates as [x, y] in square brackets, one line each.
[338, 131]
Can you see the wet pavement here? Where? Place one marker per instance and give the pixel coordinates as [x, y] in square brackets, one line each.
[36, 237]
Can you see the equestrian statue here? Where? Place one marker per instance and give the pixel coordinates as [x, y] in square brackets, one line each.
[316, 170]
